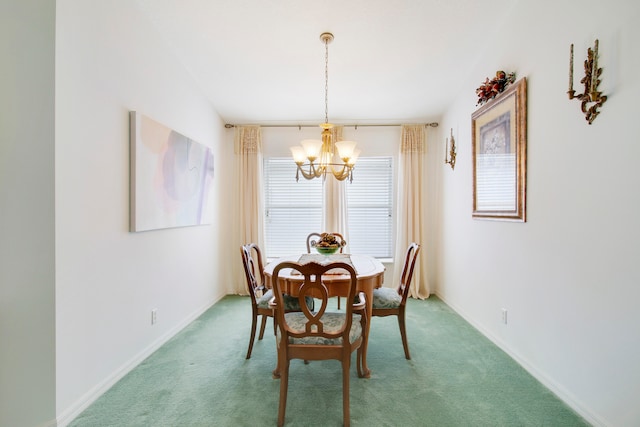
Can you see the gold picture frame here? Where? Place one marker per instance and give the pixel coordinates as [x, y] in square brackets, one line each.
[499, 145]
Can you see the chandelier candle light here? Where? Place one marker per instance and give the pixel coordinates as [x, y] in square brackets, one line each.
[315, 158]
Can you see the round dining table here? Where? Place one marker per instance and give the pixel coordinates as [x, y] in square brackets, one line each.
[370, 275]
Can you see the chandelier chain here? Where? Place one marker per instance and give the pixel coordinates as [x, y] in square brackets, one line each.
[326, 81]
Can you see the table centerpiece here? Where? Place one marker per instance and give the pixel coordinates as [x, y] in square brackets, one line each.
[328, 244]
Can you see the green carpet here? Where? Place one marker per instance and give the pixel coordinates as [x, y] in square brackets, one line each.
[457, 377]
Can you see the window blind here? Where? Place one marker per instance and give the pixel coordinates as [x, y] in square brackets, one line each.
[370, 207]
[294, 209]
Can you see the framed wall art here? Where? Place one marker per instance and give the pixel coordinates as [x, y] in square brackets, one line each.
[499, 144]
[170, 177]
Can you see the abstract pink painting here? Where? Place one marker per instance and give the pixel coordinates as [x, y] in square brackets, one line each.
[170, 177]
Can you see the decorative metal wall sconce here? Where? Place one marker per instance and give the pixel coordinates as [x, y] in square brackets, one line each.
[450, 152]
[591, 99]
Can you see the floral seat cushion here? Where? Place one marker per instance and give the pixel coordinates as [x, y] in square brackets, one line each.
[386, 298]
[290, 303]
[332, 323]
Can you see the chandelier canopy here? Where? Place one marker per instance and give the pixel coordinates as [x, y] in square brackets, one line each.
[315, 158]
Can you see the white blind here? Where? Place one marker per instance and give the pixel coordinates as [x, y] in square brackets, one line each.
[294, 209]
[370, 207]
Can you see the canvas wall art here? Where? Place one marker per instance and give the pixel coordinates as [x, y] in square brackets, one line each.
[170, 177]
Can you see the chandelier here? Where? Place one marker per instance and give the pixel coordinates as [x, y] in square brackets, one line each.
[316, 158]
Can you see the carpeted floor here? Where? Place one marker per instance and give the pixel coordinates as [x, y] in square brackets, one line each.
[456, 378]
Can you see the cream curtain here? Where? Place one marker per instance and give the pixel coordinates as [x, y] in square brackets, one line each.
[249, 224]
[411, 207]
[334, 214]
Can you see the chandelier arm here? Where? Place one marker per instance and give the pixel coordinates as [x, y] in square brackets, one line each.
[305, 175]
[310, 174]
[341, 172]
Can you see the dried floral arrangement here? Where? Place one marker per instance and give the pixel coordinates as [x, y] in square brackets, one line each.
[491, 88]
[328, 243]
[328, 240]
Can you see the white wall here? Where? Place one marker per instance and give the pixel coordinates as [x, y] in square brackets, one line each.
[27, 258]
[569, 276]
[110, 60]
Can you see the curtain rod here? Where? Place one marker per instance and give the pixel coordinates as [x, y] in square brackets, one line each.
[230, 126]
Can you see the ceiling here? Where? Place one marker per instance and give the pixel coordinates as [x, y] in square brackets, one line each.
[262, 61]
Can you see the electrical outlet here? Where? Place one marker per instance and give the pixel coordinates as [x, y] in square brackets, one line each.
[154, 316]
[504, 316]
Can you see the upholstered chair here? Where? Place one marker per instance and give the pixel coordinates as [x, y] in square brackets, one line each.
[318, 335]
[393, 301]
[314, 238]
[260, 293]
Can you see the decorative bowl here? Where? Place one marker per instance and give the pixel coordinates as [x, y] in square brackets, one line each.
[328, 250]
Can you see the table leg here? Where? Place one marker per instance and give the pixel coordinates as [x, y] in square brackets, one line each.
[365, 368]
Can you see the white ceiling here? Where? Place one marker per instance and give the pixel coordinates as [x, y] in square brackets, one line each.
[392, 61]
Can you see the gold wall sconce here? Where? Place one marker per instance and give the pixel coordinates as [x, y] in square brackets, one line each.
[591, 99]
[450, 151]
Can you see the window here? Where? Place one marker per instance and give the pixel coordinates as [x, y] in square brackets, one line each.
[370, 207]
[294, 209]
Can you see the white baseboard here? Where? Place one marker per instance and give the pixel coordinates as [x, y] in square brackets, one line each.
[556, 388]
[50, 423]
[69, 414]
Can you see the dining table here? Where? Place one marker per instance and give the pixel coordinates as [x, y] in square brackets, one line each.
[370, 275]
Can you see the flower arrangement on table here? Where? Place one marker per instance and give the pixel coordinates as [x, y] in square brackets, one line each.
[328, 244]
[491, 88]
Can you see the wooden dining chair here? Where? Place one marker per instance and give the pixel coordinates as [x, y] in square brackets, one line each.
[314, 238]
[260, 292]
[321, 334]
[393, 301]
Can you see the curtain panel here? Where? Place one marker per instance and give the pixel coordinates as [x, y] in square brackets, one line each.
[411, 207]
[249, 186]
[334, 212]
